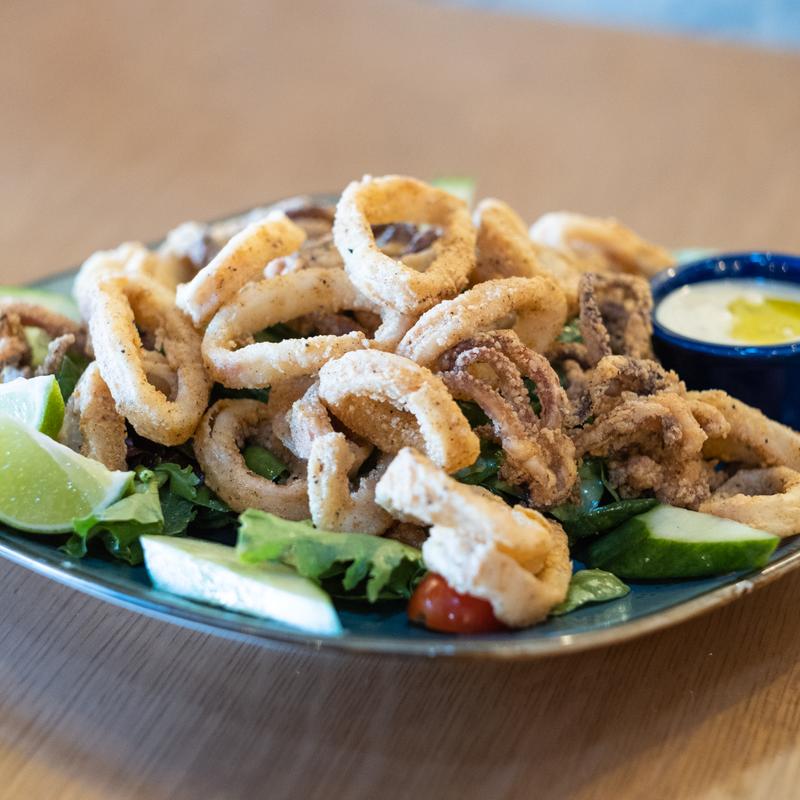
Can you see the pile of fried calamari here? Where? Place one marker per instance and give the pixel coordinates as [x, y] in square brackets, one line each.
[400, 339]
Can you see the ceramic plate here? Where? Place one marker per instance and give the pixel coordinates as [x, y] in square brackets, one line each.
[385, 629]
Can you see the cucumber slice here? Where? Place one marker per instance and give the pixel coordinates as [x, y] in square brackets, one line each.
[212, 573]
[672, 542]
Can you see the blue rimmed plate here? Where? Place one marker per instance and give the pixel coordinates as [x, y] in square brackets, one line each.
[385, 629]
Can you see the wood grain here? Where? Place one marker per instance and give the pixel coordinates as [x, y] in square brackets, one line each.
[121, 120]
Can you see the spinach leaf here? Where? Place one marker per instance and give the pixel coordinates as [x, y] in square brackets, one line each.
[580, 524]
[276, 333]
[600, 508]
[590, 586]
[489, 462]
[351, 565]
[473, 412]
[263, 463]
[220, 392]
[571, 331]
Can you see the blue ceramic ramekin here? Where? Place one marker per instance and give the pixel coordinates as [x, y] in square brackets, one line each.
[767, 377]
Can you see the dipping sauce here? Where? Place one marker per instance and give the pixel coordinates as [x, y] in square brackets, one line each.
[734, 311]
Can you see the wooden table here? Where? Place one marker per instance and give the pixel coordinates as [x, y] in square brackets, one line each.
[122, 119]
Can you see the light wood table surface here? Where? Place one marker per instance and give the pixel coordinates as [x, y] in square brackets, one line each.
[120, 120]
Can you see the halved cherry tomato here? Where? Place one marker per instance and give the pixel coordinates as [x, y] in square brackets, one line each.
[436, 605]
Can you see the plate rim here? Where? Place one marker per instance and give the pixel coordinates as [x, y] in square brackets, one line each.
[193, 615]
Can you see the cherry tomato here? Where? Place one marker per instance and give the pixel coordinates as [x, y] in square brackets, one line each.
[436, 605]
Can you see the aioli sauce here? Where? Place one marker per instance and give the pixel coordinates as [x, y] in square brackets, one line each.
[734, 311]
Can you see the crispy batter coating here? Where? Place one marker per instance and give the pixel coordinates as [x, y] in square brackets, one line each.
[385, 280]
[36, 316]
[754, 439]
[615, 315]
[92, 424]
[539, 453]
[535, 308]
[224, 430]
[240, 261]
[505, 250]
[14, 347]
[393, 403]
[121, 306]
[617, 378]
[656, 443]
[768, 499]
[513, 557]
[332, 461]
[235, 360]
[614, 246]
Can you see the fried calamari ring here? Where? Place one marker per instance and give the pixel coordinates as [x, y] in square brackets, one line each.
[223, 432]
[33, 315]
[120, 307]
[619, 247]
[393, 403]
[534, 308]
[240, 261]
[768, 499]
[513, 557]
[334, 506]
[332, 461]
[92, 424]
[505, 250]
[754, 439]
[280, 299]
[130, 258]
[386, 281]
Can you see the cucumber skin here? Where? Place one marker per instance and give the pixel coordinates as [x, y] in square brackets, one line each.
[584, 524]
[629, 552]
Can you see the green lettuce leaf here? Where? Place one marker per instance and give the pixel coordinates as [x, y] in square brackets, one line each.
[590, 586]
[351, 565]
[120, 525]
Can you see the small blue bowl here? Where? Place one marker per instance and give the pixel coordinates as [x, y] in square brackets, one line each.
[767, 377]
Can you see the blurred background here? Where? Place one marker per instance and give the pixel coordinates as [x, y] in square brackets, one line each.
[122, 119]
[768, 23]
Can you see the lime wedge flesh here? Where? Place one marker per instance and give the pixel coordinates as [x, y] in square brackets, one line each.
[55, 302]
[212, 573]
[45, 485]
[35, 402]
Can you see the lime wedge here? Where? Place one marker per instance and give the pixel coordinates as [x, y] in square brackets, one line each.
[55, 302]
[35, 402]
[45, 485]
